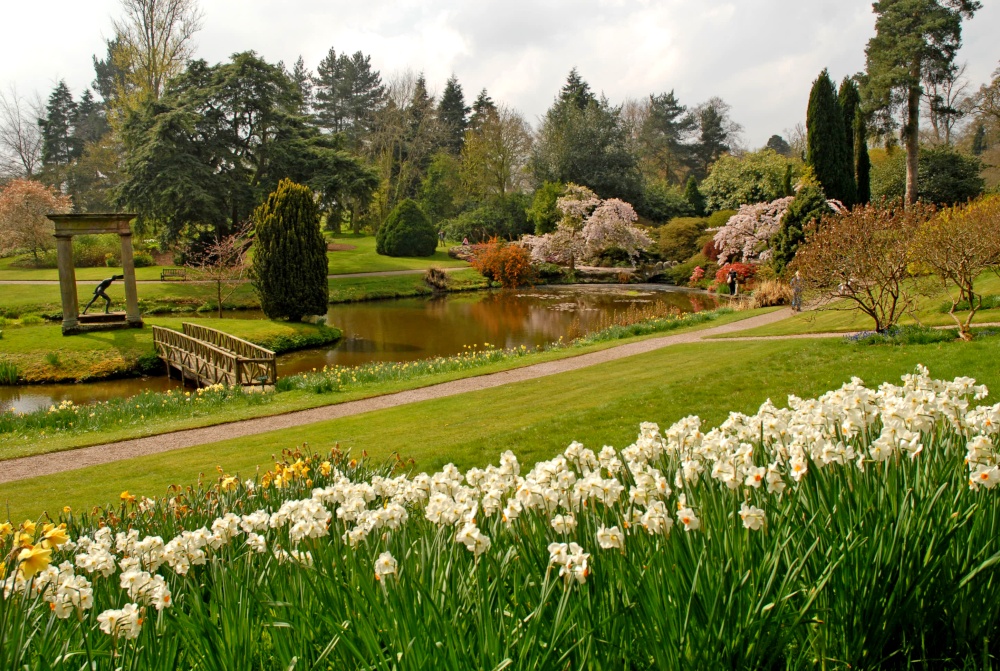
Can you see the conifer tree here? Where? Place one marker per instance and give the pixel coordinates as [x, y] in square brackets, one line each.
[289, 262]
[58, 146]
[694, 197]
[826, 142]
[809, 205]
[481, 108]
[453, 115]
[856, 137]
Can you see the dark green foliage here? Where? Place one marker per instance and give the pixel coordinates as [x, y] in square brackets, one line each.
[289, 256]
[777, 144]
[715, 134]
[946, 177]
[826, 142]
[584, 141]
[406, 232]
[856, 138]
[481, 109]
[505, 218]
[440, 186]
[303, 82]
[678, 240]
[453, 115]
[108, 76]
[58, 144]
[809, 205]
[661, 202]
[217, 142]
[348, 93]
[979, 144]
[694, 198]
[543, 213]
[663, 134]
[904, 335]
[89, 122]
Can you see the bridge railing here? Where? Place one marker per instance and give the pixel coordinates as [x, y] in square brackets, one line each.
[258, 364]
[209, 363]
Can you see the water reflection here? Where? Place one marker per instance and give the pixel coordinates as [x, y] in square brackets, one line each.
[416, 328]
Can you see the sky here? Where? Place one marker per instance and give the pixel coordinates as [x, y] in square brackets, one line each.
[760, 56]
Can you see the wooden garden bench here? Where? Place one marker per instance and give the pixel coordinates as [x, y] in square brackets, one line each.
[173, 274]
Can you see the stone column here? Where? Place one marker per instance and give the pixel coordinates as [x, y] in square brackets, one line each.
[128, 269]
[67, 282]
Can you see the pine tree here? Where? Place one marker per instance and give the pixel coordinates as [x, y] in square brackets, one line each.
[575, 93]
[58, 145]
[89, 122]
[365, 95]
[481, 108]
[826, 142]
[331, 102]
[694, 197]
[454, 116]
[289, 263]
[303, 82]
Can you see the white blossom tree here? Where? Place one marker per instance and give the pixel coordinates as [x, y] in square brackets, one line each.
[588, 227]
[747, 234]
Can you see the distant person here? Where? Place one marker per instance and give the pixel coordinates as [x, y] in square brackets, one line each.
[733, 281]
[441, 237]
[797, 292]
[99, 293]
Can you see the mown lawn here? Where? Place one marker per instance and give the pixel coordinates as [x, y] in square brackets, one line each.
[364, 259]
[599, 405]
[21, 299]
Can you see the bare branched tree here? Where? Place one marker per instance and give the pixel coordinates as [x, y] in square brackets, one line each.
[959, 245]
[946, 101]
[224, 263]
[154, 39]
[860, 260]
[20, 135]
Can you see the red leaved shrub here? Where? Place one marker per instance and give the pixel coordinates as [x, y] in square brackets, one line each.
[503, 262]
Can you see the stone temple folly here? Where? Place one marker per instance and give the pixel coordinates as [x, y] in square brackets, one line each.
[68, 225]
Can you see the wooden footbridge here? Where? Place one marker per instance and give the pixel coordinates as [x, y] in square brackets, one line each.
[207, 356]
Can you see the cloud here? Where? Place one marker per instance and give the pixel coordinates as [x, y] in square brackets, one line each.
[759, 55]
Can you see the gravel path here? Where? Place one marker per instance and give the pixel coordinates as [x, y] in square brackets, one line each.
[56, 462]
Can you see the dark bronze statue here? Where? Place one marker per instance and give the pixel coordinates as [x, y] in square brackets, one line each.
[99, 292]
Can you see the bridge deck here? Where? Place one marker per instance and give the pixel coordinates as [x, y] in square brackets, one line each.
[207, 356]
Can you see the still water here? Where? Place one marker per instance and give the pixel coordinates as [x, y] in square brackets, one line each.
[416, 328]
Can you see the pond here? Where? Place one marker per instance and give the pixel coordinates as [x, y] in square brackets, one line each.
[417, 328]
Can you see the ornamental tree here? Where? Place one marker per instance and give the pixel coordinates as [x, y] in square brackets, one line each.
[23, 224]
[289, 258]
[959, 245]
[747, 235]
[860, 260]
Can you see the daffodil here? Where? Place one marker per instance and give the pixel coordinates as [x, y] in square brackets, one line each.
[33, 559]
[53, 536]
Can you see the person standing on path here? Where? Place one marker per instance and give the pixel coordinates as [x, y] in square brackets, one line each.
[441, 237]
[733, 281]
[797, 292]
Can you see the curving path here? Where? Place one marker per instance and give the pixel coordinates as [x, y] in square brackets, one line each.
[57, 462]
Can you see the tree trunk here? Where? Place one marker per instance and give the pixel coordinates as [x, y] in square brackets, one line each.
[911, 139]
[218, 293]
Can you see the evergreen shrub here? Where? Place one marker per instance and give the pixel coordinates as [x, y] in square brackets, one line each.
[406, 232]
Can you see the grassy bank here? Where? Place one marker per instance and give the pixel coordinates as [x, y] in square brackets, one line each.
[597, 405]
[122, 421]
[42, 354]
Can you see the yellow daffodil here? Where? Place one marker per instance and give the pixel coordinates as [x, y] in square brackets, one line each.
[126, 497]
[34, 559]
[28, 527]
[54, 536]
[6, 529]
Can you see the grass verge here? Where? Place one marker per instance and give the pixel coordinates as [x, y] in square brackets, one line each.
[598, 405]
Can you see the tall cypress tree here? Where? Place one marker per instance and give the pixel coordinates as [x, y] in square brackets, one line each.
[289, 264]
[826, 142]
[856, 138]
[454, 116]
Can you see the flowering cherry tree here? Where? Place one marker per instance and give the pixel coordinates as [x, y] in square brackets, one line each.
[746, 235]
[588, 227]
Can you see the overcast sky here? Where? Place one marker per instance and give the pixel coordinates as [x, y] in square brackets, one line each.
[758, 55]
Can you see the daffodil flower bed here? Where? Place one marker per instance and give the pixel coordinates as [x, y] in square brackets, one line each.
[857, 530]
